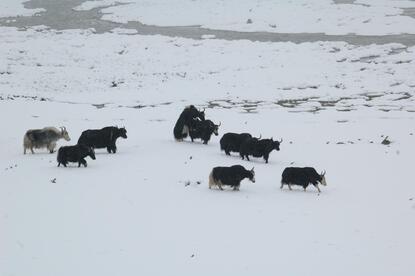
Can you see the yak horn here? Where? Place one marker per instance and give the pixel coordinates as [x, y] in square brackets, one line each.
[220, 123]
[280, 141]
[260, 136]
[323, 172]
[252, 169]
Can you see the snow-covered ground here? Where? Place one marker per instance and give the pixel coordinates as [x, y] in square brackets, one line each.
[132, 213]
[15, 8]
[365, 17]
[147, 209]
[75, 66]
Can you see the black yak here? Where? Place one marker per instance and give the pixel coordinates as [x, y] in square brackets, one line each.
[230, 176]
[75, 153]
[102, 138]
[203, 130]
[258, 148]
[181, 128]
[231, 142]
[302, 177]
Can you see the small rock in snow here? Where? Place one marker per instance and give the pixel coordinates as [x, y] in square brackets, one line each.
[386, 141]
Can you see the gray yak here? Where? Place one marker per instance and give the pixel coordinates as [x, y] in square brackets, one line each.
[44, 138]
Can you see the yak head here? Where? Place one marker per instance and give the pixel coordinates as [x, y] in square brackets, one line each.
[251, 175]
[91, 153]
[88, 151]
[274, 144]
[216, 129]
[122, 132]
[323, 178]
[64, 134]
[210, 127]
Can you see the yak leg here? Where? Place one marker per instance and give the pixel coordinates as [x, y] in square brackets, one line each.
[83, 162]
[59, 164]
[227, 152]
[247, 158]
[51, 147]
[317, 188]
[266, 158]
[282, 185]
[236, 188]
[289, 186]
[305, 188]
[31, 149]
[24, 150]
[114, 149]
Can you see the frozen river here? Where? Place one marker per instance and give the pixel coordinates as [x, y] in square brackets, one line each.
[60, 15]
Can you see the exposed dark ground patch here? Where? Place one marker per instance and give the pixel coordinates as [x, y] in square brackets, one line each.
[402, 102]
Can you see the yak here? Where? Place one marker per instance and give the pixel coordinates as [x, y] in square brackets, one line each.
[76, 153]
[203, 130]
[258, 148]
[181, 128]
[44, 138]
[102, 138]
[231, 142]
[302, 177]
[230, 176]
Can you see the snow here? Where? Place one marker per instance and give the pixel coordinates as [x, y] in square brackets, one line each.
[364, 17]
[130, 212]
[10, 8]
[141, 211]
[73, 66]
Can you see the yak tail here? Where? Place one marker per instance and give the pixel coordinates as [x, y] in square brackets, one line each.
[26, 141]
[211, 180]
[60, 156]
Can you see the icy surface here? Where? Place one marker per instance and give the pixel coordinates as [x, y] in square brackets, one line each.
[364, 17]
[15, 8]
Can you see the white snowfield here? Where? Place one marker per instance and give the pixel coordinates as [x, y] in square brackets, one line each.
[16, 8]
[147, 209]
[364, 17]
